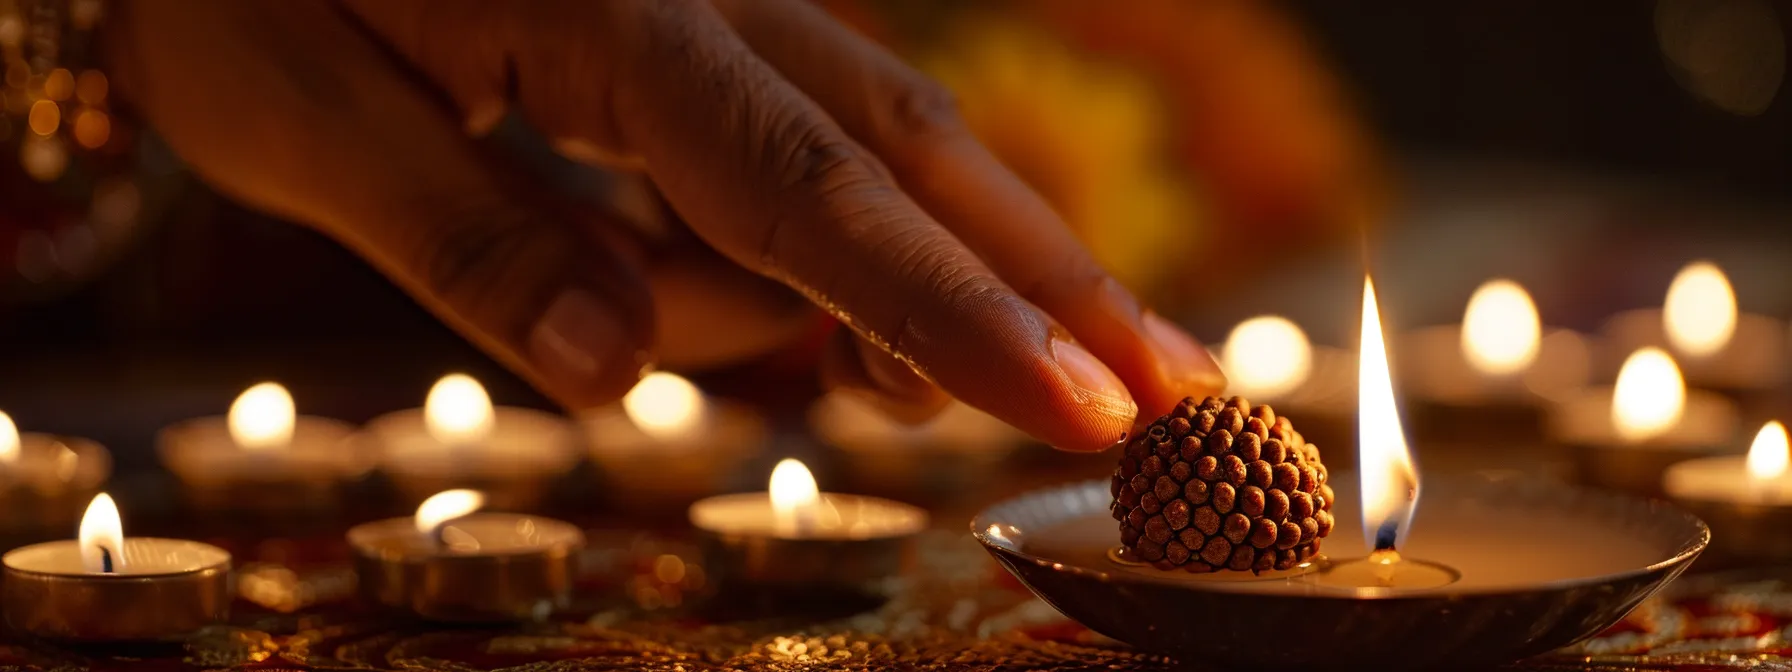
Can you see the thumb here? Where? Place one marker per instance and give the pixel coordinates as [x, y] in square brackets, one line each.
[293, 109]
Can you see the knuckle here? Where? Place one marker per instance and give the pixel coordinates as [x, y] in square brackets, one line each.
[922, 109]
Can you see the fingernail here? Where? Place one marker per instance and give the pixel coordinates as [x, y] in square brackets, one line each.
[1180, 356]
[1094, 377]
[578, 338]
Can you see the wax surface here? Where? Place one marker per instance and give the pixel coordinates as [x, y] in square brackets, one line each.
[836, 517]
[1725, 479]
[1709, 422]
[202, 449]
[1494, 544]
[477, 534]
[522, 441]
[143, 556]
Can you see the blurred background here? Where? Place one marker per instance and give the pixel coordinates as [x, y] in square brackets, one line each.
[1227, 158]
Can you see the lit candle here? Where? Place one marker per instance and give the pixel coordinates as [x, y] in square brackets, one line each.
[45, 479]
[262, 458]
[451, 562]
[1747, 499]
[1269, 358]
[460, 440]
[1489, 378]
[795, 536]
[104, 586]
[667, 444]
[1624, 436]
[1718, 346]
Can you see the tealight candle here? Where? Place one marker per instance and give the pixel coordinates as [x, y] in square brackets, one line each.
[1719, 347]
[450, 563]
[106, 587]
[1746, 499]
[45, 479]
[459, 440]
[667, 444]
[1269, 358]
[1625, 436]
[1489, 377]
[880, 455]
[262, 457]
[794, 537]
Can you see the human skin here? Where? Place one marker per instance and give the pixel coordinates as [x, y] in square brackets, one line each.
[793, 149]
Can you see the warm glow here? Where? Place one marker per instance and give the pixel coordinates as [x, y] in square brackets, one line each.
[262, 417]
[1768, 454]
[9, 440]
[102, 535]
[1390, 485]
[1500, 330]
[665, 405]
[1267, 356]
[792, 486]
[445, 506]
[1700, 314]
[1650, 395]
[458, 410]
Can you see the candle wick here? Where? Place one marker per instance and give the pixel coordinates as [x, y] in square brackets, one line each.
[105, 560]
[1386, 535]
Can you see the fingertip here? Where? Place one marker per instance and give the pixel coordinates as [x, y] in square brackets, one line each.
[581, 350]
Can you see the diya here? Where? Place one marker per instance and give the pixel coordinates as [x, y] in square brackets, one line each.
[1269, 358]
[794, 541]
[1624, 436]
[1492, 377]
[667, 445]
[459, 440]
[46, 479]
[1719, 347]
[1501, 569]
[262, 458]
[106, 587]
[450, 563]
[1747, 499]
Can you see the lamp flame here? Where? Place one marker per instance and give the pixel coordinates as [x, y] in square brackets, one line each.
[1767, 456]
[102, 536]
[1267, 356]
[1501, 333]
[1649, 396]
[1390, 484]
[458, 410]
[9, 440]
[262, 418]
[1700, 313]
[665, 406]
[445, 506]
[794, 497]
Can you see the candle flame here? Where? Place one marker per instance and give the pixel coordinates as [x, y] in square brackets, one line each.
[9, 440]
[445, 506]
[458, 410]
[1649, 396]
[1267, 356]
[1767, 456]
[102, 535]
[793, 487]
[665, 406]
[1700, 313]
[1501, 333]
[1390, 486]
[262, 418]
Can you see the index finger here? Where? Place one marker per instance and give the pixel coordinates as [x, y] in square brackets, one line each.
[764, 175]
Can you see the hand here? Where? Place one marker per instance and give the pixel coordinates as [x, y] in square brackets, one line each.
[789, 145]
